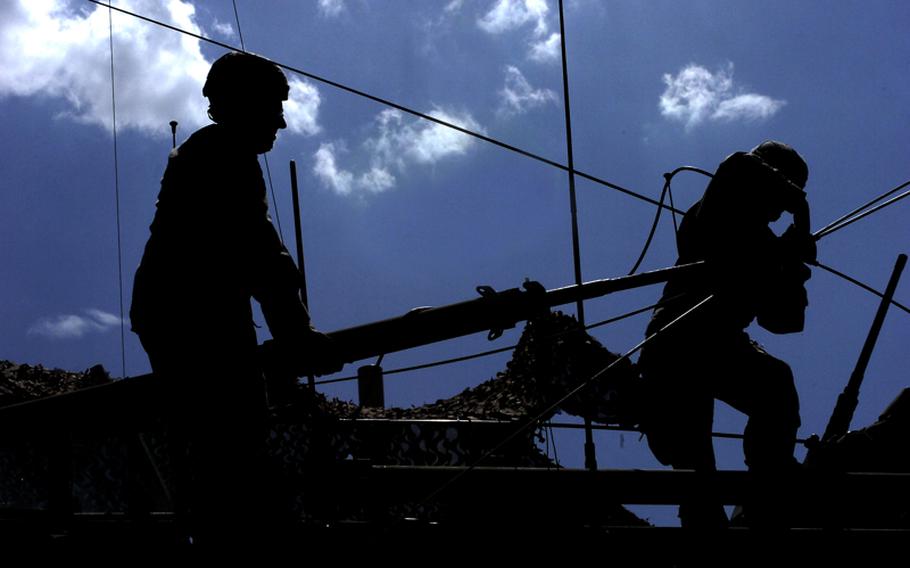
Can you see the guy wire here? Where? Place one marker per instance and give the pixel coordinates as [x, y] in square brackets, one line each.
[110, 23]
[400, 107]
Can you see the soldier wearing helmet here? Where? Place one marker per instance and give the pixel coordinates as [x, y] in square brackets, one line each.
[211, 250]
[753, 275]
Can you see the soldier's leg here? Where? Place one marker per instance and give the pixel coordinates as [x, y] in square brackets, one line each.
[762, 387]
[678, 419]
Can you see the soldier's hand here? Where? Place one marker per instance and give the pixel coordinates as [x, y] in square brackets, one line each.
[322, 356]
[799, 244]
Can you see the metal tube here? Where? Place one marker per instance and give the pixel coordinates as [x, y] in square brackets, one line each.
[298, 234]
[840, 420]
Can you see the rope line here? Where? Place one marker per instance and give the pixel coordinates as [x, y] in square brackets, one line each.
[581, 386]
[110, 24]
[819, 233]
[402, 108]
[866, 287]
[265, 157]
[237, 19]
[866, 213]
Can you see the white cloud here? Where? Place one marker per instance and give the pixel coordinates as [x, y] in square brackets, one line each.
[331, 8]
[326, 169]
[224, 29]
[59, 48]
[509, 15]
[71, 326]
[518, 96]
[454, 6]
[696, 94]
[398, 144]
[301, 110]
[749, 107]
[547, 50]
[506, 15]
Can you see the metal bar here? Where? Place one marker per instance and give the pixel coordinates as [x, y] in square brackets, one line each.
[499, 310]
[657, 487]
[590, 451]
[840, 420]
[298, 235]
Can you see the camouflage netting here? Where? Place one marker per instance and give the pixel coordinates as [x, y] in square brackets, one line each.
[553, 356]
[21, 383]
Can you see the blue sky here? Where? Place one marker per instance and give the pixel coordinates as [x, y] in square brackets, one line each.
[401, 213]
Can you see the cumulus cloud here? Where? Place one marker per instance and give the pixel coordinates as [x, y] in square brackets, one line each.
[301, 110]
[331, 8]
[398, 143]
[59, 48]
[72, 326]
[518, 96]
[546, 50]
[509, 15]
[224, 29]
[695, 95]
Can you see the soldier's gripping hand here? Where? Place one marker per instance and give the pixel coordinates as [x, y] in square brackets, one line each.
[321, 355]
[312, 353]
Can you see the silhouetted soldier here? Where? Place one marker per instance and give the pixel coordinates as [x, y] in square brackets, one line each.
[212, 248]
[753, 274]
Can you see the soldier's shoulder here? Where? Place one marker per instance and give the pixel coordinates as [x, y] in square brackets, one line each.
[207, 140]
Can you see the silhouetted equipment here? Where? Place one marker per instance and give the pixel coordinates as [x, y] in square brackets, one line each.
[298, 235]
[369, 386]
[839, 423]
[173, 124]
[493, 311]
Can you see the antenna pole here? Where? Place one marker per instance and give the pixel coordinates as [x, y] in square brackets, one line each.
[840, 420]
[590, 454]
[298, 234]
[173, 133]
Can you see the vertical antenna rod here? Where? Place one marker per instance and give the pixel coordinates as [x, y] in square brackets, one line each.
[840, 420]
[298, 233]
[590, 455]
[173, 124]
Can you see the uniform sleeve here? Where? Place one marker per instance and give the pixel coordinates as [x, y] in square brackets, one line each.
[274, 279]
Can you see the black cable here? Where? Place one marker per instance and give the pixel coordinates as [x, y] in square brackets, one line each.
[668, 177]
[237, 18]
[860, 208]
[673, 213]
[265, 157]
[581, 386]
[644, 249]
[110, 23]
[860, 284]
[892, 201]
[400, 107]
